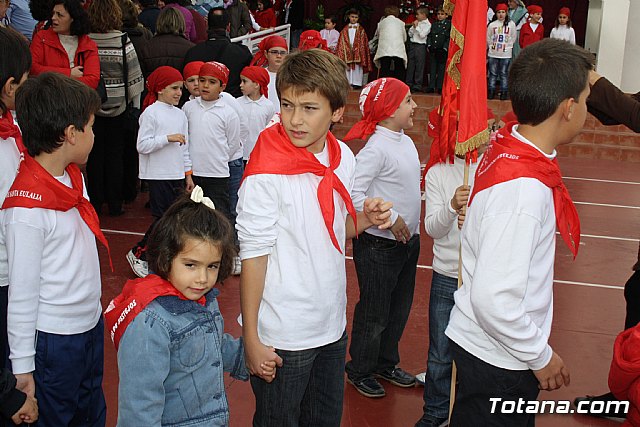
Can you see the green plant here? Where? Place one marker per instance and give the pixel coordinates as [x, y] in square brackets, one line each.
[316, 23]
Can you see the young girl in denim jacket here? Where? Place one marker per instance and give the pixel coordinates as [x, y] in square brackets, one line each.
[167, 327]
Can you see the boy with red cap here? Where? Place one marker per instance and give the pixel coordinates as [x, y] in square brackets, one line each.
[385, 260]
[257, 107]
[190, 73]
[273, 51]
[294, 215]
[533, 30]
[501, 322]
[50, 230]
[563, 29]
[214, 134]
[353, 49]
[311, 39]
[163, 150]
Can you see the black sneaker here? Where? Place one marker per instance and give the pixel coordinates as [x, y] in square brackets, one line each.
[586, 402]
[397, 376]
[368, 386]
[427, 421]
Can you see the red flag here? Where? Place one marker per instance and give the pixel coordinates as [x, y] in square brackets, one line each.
[463, 105]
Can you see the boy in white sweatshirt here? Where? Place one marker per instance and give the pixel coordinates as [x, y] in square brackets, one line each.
[500, 324]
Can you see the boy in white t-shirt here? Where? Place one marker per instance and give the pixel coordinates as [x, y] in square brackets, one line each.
[258, 109]
[294, 215]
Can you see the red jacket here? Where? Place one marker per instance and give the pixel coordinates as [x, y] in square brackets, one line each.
[49, 55]
[265, 18]
[528, 36]
[624, 374]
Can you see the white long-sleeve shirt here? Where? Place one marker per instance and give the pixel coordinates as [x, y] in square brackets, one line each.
[236, 147]
[258, 114]
[331, 36]
[212, 125]
[304, 300]
[54, 277]
[500, 39]
[419, 33]
[503, 311]
[563, 32]
[9, 162]
[273, 94]
[159, 158]
[440, 220]
[388, 166]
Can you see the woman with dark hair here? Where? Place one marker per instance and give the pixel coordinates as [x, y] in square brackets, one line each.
[106, 165]
[65, 47]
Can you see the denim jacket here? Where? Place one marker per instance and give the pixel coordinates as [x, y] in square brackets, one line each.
[171, 362]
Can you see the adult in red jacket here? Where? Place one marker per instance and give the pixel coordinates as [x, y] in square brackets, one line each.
[65, 47]
[624, 375]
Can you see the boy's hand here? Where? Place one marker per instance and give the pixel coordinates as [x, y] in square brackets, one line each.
[257, 356]
[378, 212]
[400, 230]
[28, 412]
[554, 375]
[460, 198]
[189, 183]
[26, 384]
[177, 137]
[461, 217]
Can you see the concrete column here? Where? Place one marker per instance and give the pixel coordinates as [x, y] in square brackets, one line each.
[613, 38]
[631, 66]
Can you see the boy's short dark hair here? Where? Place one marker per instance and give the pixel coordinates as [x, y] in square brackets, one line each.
[315, 70]
[188, 219]
[353, 12]
[545, 74]
[81, 23]
[46, 105]
[332, 18]
[15, 58]
[217, 19]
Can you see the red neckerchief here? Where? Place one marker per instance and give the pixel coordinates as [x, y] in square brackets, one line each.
[275, 154]
[136, 295]
[509, 158]
[34, 187]
[8, 129]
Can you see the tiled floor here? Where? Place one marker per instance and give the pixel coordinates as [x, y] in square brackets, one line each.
[588, 313]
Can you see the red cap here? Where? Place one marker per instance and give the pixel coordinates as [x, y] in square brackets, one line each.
[192, 69]
[312, 39]
[265, 44]
[215, 69]
[534, 8]
[258, 75]
[564, 11]
[502, 6]
[158, 80]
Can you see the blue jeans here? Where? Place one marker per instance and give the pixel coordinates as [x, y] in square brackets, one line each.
[308, 389]
[498, 69]
[386, 277]
[236, 170]
[438, 381]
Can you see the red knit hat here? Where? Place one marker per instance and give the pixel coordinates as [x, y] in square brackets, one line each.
[215, 69]
[534, 8]
[378, 101]
[260, 59]
[502, 6]
[157, 81]
[258, 75]
[564, 11]
[192, 69]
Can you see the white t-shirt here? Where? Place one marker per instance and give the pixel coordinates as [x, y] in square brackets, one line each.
[500, 39]
[273, 94]
[258, 114]
[563, 32]
[304, 300]
[236, 147]
[9, 163]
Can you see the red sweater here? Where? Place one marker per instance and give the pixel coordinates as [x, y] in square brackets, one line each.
[49, 55]
[624, 374]
[265, 18]
[528, 36]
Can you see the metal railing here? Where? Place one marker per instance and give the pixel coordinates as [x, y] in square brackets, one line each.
[251, 40]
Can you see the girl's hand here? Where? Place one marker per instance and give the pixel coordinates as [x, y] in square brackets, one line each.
[77, 72]
[177, 137]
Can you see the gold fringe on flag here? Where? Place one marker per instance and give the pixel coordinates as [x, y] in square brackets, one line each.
[464, 147]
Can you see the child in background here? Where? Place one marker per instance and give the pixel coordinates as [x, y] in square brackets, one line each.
[311, 39]
[533, 30]
[501, 34]
[50, 230]
[385, 260]
[418, 34]
[164, 155]
[257, 108]
[15, 62]
[178, 378]
[190, 75]
[294, 215]
[15, 404]
[500, 324]
[329, 33]
[353, 49]
[438, 44]
[563, 29]
[272, 53]
[214, 127]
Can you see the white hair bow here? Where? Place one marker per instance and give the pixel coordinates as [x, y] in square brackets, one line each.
[197, 195]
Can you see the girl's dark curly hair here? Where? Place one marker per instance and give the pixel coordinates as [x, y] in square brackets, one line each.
[187, 219]
[81, 24]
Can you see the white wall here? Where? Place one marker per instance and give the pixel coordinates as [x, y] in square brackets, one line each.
[594, 18]
[613, 36]
[631, 65]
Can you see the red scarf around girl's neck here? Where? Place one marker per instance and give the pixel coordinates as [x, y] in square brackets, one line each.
[35, 187]
[8, 129]
[136, 295]
[509, 158]
[275, 154]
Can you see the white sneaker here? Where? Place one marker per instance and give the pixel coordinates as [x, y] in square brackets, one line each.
[237, 266]
[421, 377]
[139, 267]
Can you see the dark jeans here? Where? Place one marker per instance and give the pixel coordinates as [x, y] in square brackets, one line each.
[236, 169]
[398, 67]
[386, 277]
[437, 64]
[217, 189]
[68, 378]
[4, 345]
[415, 64]
[479, 381]
[438, 381]
[498, 70]
[308, 389]
[105, 167]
